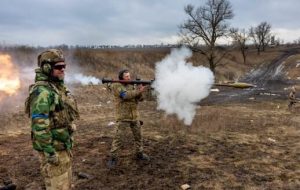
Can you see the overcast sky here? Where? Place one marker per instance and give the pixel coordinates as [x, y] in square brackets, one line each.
[122, 22]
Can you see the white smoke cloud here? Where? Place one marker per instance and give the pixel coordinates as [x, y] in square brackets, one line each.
[82, 79]
[27, 75]
[180, 85]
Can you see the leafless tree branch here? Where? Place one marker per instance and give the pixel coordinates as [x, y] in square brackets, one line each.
[204, 26]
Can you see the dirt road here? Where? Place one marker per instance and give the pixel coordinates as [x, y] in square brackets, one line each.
[271, 83]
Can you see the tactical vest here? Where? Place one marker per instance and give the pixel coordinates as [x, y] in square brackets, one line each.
[63, 112]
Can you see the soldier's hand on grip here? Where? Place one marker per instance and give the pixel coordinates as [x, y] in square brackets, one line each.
[72, 128]
[142, 88]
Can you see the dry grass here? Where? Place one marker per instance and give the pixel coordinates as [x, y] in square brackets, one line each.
[106, 63]
[293, 67]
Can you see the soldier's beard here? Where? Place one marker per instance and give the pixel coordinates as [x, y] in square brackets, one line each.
[62, 77]
[57, 78]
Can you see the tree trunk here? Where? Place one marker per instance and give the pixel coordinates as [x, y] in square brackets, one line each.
[244, 56]
[258, 50]
[212, 65]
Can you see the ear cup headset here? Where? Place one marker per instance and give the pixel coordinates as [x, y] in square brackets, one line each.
[44, 64]
[46, 68]
[48, 58]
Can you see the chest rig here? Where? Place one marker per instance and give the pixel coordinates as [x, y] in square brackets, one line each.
[63, 106]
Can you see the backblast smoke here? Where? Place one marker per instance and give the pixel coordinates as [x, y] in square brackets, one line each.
[83, 79]
[180, 85]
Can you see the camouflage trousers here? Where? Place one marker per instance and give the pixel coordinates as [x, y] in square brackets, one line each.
[291, 104]
[120, 130]
[57, 177]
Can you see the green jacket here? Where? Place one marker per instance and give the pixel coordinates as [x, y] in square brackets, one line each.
[52, 111]
[126, 102]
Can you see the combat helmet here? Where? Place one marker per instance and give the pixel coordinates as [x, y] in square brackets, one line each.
[293, 89]
[48, 58]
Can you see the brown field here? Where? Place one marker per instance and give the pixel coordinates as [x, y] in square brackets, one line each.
[249, 144]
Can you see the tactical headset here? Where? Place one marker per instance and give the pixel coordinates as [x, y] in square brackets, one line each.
[46, 68]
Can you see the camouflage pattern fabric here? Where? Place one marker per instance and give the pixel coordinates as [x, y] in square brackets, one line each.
[52, 111]
[57, 177]
[292, 96]
[120, 129]
[292, 99]
[51, 56]
[126, 102]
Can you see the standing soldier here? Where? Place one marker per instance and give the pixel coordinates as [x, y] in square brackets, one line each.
[292, 97]
[127, 97]
[52, 110]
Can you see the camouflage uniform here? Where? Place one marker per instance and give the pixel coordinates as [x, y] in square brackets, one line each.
[126, 102]
[292, 98]
[52, 111]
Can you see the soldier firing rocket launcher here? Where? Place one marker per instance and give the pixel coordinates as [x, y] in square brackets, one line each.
[150, 95]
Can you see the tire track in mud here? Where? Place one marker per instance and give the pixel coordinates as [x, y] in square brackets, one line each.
[270, 81]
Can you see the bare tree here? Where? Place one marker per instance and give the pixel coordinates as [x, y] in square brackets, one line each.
[261, 36]
[240, 38]
[297, 41]
[204, 26]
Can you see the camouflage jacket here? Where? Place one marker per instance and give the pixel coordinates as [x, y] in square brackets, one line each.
[52, 111]
[126, 101]
[292, 97]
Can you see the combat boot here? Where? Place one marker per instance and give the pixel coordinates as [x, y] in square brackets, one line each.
[9, 187]
[142, 156]
[112, 162]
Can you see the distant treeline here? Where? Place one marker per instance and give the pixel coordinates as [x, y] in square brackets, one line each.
[28, 48]
[66, 47]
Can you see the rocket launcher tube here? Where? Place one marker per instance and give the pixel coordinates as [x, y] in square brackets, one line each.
[142, 82]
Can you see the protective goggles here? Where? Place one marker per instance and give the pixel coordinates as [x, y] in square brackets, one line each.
[59, 67]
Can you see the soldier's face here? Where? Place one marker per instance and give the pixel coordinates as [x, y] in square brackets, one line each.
[59, 70]
[126, 76]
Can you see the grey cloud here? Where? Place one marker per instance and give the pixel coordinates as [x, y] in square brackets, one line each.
[277, 12]
[51, 22]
